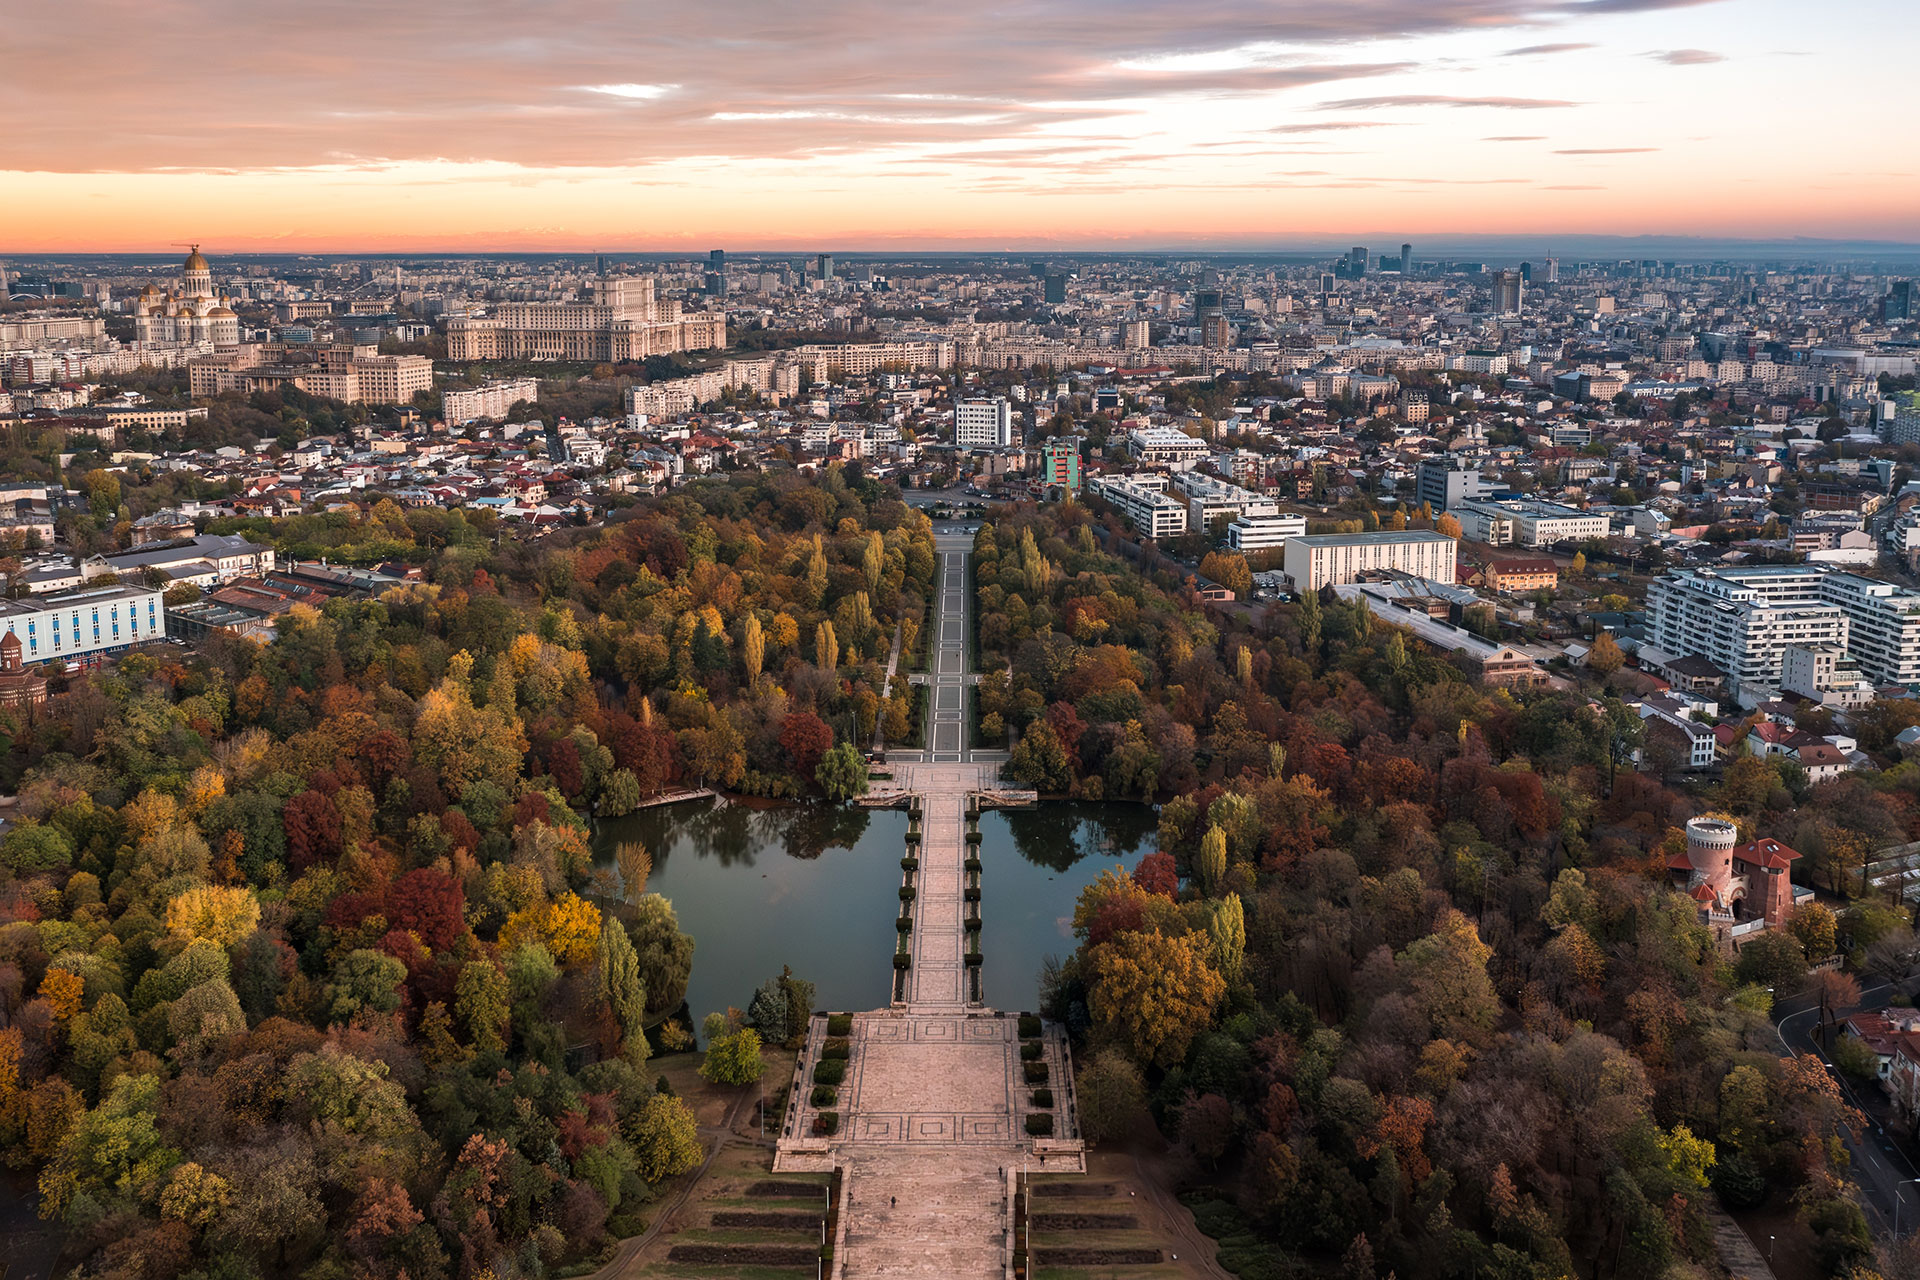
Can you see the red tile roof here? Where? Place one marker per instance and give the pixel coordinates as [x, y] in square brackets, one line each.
[1765, 853]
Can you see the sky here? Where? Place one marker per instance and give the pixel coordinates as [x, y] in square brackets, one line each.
[607, 125]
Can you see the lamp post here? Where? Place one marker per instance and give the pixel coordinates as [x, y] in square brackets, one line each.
[1904, 1182]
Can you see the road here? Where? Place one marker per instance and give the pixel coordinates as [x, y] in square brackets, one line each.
[1884, 1172]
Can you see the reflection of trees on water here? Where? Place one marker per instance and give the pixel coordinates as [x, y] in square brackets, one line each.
[812, 831]
[734, 834]
[1057, 835]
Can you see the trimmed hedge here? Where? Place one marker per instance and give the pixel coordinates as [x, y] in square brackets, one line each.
[970, 894]
[972, 864]
[903, 925]
[823, 1095]
[827, 1123]
[903, 961]
[829, 1071]
[1029, 1026]
[1031, 1051]
[1036, 1072]
[1043, 1098]
[973, 959]
[840, 1024]
[1040, 1125]
[906, 893]
[834, 1050]
[909, 864]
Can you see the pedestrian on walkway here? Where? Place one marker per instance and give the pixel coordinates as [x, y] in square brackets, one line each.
[893, 1202]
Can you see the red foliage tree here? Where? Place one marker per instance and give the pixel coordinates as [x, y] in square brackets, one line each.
[533, 807]
[313, 829]
[1156, 874]
[563, 762]
[805, 738]
[429, 903]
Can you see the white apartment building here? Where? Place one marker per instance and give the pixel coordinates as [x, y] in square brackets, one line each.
[490, 400]
[827, 363]
[1163, 446]
[1824, 674]
[1144, 501]
[983, 424]
[1884, 626]
[75, 624]
[1743, 620]
[1331, 558]
[1210, 498]
[1264, 533]
[1530, 523]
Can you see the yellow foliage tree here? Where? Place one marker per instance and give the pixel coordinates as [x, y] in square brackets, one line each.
[63, 990]
[568, 928]
[205, 786]
[220, 914]
[1154, 993]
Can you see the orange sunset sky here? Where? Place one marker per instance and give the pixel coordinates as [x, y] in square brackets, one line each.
[572, 124]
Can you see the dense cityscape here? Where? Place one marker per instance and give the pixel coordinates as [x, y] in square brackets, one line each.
[1346, 576]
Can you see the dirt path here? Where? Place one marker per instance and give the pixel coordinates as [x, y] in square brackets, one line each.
[1153, 1173]
[714, 1137]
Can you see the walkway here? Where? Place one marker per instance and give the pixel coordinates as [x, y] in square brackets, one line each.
[933, 1112]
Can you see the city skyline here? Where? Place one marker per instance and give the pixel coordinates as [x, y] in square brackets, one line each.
[1021, 126]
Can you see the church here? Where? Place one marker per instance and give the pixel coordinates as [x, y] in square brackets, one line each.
[197, 315]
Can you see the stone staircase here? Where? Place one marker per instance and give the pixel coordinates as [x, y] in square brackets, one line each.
[937, 1212]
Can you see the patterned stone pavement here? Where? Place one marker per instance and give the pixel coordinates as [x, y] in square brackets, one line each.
[933, 1111]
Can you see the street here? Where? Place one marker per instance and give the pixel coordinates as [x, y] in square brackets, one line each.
[1884, 1172]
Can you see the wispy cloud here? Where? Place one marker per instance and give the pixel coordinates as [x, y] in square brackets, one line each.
[1332, 126]
[1444, 100]
[1536, 50]
[1604, 151]
[1687, 57]
[1516, 137]
[572, 83]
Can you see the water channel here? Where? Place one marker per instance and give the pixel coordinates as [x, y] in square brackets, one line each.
[816, 888]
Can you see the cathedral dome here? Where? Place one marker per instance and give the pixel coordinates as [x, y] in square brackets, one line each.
[195, 262]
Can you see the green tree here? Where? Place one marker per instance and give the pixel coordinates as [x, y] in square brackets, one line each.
[664, 1137]
[733, 1059]
[1110, 1096]
[1447, 970]
[483, 1003]
[1227, 929]
[842, 773]
[621, 989]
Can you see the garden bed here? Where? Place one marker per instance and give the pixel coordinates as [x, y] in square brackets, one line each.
[1073, 1222]
[1096, 1257]
[771, 1190]
[772, 1221]
[747, 1255]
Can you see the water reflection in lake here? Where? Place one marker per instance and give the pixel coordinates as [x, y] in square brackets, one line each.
[1034, 863]
[810, 886]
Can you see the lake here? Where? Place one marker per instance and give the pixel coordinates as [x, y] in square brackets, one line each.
[817, 888]
[1033, 865]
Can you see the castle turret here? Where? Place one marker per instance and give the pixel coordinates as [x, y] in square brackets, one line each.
[1710, 844]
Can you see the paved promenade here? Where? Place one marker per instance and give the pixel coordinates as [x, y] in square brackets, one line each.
[933, 1111]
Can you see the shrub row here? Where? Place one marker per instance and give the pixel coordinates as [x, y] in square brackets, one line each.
[827, 1123]
[1040, 1125]
[1043, 1098]
[823, 1095]
[1029, 1026]
[841, 1024]
[835, 1049]
[1036, 1072]
[1031, 1050]
[829, 1071]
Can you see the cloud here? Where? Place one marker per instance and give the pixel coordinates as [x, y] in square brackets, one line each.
[1331, 126]
[232, 86]
[1516, 137]
[1535, 50]
[1444, 100]
[1604, 151]
[1687, 57]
